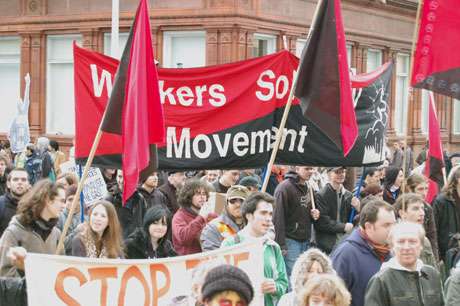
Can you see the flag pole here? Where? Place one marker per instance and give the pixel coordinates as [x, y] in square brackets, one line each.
[280, 131]
[115, 38]
[411, 93]
[81, 183]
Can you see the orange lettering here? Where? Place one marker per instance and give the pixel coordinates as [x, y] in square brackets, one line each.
[240, 257]
[59, 285]
[159, 292]
[102, 274]
[133, 272]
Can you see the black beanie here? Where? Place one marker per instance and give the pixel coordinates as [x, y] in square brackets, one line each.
[225, 278]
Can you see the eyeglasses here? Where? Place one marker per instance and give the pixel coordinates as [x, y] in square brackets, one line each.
[236, 200]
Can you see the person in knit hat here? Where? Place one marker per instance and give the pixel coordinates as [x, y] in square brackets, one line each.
[227, 285]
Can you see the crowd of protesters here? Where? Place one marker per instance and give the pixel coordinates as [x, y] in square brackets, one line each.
[324, 243]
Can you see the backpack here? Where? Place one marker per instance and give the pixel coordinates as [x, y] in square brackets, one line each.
[34, 169]
[453, 252]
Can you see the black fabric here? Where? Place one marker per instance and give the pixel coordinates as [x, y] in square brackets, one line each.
[138, 246]
[327, 227]
[44, 228]
[227, 277]
[9, 206]
[169, 198]
[13, 291]
[447, 220]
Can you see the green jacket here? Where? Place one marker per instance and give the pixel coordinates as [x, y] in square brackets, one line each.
[274, 267]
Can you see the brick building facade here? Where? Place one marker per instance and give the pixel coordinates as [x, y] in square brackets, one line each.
[36, 37]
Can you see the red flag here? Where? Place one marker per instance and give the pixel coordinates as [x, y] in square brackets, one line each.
[436, 60]
[434, 159]
[323, 85]
[134, 110]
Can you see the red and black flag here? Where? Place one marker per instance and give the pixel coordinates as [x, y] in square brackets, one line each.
[434, 159]
[134, 110]
[323, 85]
[436, 59]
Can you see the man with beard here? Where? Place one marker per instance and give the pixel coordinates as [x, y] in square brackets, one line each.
[228, 223]
[18, 185]
[294, 215]
[335, 204]
[170, 189]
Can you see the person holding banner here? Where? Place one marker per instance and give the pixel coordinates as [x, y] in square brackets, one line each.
[33, 228]
[100, 236]
[228, 223]
[192, 217]
[151, 241]
[257, 210]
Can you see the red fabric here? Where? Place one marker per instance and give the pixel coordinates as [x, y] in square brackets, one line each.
[142, 117]
[438, 39]
[434, 158]
[348, 124]
[186, 231]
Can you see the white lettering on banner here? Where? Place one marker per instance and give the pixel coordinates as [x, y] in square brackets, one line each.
[186, 96]
[65, 280]
[98, 85]
[242, 143]
[279, 88]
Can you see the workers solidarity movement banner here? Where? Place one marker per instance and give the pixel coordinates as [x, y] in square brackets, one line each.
[226, 116]
[61, 280]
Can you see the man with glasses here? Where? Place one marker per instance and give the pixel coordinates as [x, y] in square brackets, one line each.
[335, 204]
[228, 223]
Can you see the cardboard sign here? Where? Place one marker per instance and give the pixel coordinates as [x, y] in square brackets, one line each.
[66, 280]
[216, 202]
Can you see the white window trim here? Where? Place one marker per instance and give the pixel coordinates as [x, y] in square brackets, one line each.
[374, 50]
[107, 47]
[271, 41]
[455, 107]
[12, 54]
[406, 95]
[167, 43]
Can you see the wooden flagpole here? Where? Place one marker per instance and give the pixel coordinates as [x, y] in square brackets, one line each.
[280, 131]
[81, 183]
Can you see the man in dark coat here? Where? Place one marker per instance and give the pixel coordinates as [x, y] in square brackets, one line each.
[360, 255]
[404, 279]
[294, 214]
[227, 180]
[18, 185]
[170, 190]
[335, 204]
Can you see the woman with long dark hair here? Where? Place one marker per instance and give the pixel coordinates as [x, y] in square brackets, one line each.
[33, 228]
[100, 236]
[394, 178]
[151, 241]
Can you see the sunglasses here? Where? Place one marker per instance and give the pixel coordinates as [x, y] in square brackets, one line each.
[236, 200]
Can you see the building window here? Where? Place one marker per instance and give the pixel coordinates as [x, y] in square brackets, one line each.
[401, 103]
[122, 39]
[10, 57]
[263, 44]
[184, 49]
[456, 117]
[374, 59]
[60, 115]
[424, 112]
[299, 46]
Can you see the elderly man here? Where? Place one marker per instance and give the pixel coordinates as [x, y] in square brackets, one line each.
[228, 223]
[404, 279]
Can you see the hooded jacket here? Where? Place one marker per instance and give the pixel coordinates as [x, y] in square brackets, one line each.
[217, 230]
[447, 220]
[291, 215]
[356, 262]
[17, 234]
[395, 285]
[10, 205]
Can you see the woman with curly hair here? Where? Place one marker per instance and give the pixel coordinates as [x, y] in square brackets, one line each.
[325, 289]
[309, 264]
[33, 227]
[100, 236]
[190, 219]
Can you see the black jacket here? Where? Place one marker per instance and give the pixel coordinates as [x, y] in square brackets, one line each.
[447, 220]
[327, 226]
[169, 197]
[138, 247]
[9, 206]
[132, 213]
[292, 210]
[13, 291]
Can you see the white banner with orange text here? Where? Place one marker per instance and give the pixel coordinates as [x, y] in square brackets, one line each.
[64, 280]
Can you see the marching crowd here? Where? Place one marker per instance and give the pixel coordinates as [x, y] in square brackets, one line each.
[379, 243]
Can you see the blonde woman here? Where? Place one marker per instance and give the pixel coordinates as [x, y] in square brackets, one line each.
[325, 289]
